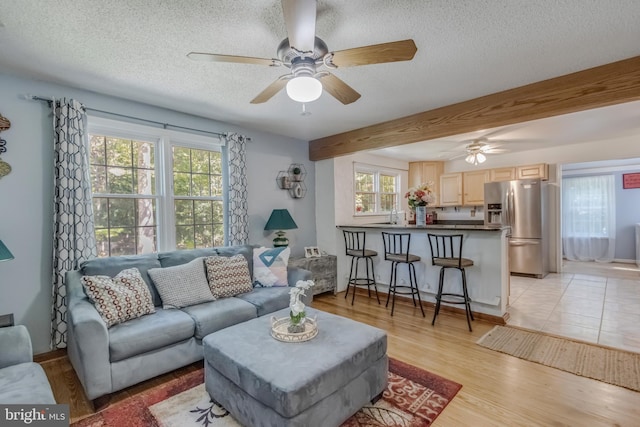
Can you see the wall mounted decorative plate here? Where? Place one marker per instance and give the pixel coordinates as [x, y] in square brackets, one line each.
[5, 168]
[4, 123]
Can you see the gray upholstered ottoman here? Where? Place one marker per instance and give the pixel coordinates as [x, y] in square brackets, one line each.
[321, 382]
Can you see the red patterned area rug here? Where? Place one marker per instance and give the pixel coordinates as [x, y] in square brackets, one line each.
[413, 398]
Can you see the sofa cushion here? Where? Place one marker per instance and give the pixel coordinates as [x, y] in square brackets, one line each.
[228, 276]
[182, 285]
[270, 266]
[25, 383]
[267, 300]
[113, 265]
[148, 333]
[173, 258]
[213, 316]
[121, 298]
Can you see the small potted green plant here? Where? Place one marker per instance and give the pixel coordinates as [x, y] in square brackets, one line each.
[296, 174]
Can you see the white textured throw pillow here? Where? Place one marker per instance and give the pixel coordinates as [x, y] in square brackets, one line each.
[118, 299]
[270, 266]
[182, 285]
[228, 276]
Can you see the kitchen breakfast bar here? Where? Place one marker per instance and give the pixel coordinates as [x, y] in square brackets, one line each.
[487, 279]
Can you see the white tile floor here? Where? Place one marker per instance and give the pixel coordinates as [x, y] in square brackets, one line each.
[589, 302]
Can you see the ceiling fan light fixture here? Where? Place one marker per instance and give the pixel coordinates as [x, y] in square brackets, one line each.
[475, 158]
[304, 89]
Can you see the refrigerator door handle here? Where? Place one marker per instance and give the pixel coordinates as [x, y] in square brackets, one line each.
[513, 242]
[511, 206]
[507, 214]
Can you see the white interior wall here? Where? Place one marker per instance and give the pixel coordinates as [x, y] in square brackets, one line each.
[334, 200]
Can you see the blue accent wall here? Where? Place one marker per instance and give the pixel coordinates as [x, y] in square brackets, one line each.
[627, 216]
[26, 194]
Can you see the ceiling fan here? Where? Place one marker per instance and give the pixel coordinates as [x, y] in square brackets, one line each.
[478, 148]
[304, 53]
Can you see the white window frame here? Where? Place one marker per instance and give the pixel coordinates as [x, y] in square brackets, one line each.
[164, 140]
[376, 171]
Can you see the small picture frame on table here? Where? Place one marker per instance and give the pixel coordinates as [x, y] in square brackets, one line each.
[311, 252]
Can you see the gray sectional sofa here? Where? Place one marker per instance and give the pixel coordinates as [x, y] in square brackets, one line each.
[110, 359]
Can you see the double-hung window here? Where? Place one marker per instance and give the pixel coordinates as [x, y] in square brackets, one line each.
[376, 190]
[154, 189]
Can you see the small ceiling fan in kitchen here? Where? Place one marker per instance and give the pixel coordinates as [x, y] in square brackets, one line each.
[476, 150]
[309, 58]
[479, 148]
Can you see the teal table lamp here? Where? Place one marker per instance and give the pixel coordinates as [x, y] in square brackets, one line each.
[280, 220]
[5, 253]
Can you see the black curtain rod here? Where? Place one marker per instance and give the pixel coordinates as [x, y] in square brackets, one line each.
[164, 125]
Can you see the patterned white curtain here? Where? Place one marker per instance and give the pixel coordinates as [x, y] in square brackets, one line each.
[237, 191]
[73, 235]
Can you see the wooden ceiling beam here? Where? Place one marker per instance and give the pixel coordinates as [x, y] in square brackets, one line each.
[609, 84]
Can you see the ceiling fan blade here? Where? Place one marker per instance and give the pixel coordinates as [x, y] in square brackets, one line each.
[338, 89]
[212, 57]
[300, 19]
[271, 90]
[403, 50]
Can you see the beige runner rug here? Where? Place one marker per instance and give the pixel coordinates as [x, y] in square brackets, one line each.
[618, 367]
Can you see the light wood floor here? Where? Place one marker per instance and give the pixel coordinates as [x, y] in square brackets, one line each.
[498, 390]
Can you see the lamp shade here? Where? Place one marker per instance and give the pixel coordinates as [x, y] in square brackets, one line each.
[5, 253]
[304, 89]
[280, 219]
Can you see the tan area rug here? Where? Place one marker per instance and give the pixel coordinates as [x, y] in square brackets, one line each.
[618, 367]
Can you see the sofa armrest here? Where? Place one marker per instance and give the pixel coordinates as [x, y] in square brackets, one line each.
[15, 345]
[88, 340]
[294, 274]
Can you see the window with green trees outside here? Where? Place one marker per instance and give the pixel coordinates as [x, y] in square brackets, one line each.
[154, 194]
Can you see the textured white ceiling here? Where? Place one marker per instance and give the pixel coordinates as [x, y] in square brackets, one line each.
[136, 49]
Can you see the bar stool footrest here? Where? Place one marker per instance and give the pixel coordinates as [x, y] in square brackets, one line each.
[361, 281]
[409, 290]
[461, 299]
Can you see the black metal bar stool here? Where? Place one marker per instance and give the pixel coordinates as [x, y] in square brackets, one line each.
[446, 251]
[396, 250]
[354, 242]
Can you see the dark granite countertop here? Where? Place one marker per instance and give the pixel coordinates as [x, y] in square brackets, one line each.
[440, 225]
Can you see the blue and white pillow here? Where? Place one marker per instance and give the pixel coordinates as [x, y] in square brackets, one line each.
[270, 266]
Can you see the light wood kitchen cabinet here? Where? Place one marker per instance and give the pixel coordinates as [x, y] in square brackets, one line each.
[421, 172]
[539, 171]
[473, 187]
[450, 189]
[502, 174]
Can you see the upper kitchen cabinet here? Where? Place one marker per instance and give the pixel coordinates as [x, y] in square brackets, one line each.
[502, 174]
[539, 171]
[421, 172]
[473, 186]
[450, 189]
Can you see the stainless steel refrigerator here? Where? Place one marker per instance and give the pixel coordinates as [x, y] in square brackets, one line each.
[521, 205]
